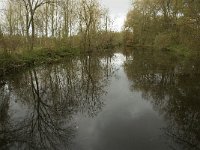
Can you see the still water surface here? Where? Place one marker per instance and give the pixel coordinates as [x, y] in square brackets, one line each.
[141, 101]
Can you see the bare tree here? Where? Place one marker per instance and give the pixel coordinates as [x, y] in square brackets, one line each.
[31, 8]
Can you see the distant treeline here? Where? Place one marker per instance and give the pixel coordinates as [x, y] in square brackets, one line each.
[30, 24]
[164, 23]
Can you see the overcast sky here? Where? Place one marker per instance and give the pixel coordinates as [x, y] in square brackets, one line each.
[118, 10]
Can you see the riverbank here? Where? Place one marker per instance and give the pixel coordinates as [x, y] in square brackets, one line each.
[177, 50]
[10, 63]
[15, 62]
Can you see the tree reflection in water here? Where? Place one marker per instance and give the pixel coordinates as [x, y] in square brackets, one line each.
[172, 85]
[37, 106]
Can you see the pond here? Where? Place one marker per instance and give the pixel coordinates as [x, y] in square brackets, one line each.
[142, 100]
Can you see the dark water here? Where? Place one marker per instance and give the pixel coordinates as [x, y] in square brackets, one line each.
[141, 101]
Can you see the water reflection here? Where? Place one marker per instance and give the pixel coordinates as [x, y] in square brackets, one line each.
[37, 107]
[172, 85]
[95, 102]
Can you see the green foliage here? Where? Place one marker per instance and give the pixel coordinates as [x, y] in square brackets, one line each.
[180, 50]
[164, 23]
[164, 40]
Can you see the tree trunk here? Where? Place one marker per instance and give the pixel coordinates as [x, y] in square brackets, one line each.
[33, 31]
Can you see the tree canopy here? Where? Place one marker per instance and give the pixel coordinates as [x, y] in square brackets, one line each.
[164, 23]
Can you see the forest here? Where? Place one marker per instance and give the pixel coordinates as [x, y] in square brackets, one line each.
[54, 24]
[34, 31]
[164, 24]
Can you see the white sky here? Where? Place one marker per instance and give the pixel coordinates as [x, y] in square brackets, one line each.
[118, 10]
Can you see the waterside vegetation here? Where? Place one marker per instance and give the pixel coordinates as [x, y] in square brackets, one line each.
[45, 31]
[164, 25]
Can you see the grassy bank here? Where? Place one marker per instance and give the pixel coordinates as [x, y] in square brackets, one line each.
[177, 50]
[15, 62]
[180, 50]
